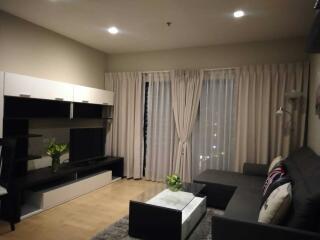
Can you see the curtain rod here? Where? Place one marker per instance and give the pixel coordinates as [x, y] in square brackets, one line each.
[222, 68]
[156, 71]
[206, 69]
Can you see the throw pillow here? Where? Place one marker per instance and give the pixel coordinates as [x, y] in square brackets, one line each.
[276, 178]
[275, 208]
[274, 162]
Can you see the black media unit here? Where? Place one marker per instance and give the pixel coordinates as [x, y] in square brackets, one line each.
[69, 172]
[18, 113]
[44, 176]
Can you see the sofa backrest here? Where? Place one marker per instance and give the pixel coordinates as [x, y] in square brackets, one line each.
[304, 169]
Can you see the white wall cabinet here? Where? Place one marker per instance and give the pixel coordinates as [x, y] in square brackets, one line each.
[92, 95]
[17, 85]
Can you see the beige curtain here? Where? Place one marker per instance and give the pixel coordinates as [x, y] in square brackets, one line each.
[125, 138]
[261, 133]
[186, 90]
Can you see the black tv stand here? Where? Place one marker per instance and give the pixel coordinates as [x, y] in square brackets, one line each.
[68, 173]
[89, 161]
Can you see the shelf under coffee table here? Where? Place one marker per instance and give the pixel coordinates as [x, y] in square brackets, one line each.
[162, 214]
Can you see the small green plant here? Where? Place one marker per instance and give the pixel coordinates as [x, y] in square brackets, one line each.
[174, 182]
[55, 151]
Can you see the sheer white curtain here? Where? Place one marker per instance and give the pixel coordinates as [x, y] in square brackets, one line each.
[213, 136]
[125, 137]
[161, 134]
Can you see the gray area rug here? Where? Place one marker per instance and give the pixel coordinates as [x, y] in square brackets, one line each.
[119, 230]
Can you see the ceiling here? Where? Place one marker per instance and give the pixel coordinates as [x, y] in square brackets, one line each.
[142, 23]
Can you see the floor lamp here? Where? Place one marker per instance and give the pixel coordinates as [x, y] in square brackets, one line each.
[293, 97]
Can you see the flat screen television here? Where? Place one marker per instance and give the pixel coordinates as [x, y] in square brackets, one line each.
[87, 143]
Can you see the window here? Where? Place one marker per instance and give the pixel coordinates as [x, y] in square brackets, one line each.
[159, 128]
[213, 136]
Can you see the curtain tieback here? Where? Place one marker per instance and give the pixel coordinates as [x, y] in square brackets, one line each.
[183, 147]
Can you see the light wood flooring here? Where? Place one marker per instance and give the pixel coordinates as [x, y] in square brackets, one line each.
[80, 218]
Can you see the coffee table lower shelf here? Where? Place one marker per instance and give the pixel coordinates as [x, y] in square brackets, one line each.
[148, 221]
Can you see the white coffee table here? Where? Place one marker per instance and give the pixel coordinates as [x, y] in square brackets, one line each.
[163, 214]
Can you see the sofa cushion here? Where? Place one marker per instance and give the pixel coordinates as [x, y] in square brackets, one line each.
[277, 177]
[230, 179]
[244, 205]
[308, 215]
[254, 169]
[274, 163]
[221, 185]
[276, 206]
[304, 169]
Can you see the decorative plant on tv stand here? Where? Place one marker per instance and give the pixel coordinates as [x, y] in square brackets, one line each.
[174, 182]
[55, 151]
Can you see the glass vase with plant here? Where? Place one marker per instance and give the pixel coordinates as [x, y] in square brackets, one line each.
[174, 182]
[55, 151]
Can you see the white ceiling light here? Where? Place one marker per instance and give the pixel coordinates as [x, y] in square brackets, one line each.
[238, 14]
[113, 30]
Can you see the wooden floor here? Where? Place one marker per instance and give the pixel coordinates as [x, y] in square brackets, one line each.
[80, 218]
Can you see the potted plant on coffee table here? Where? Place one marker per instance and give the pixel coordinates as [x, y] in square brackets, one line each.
[174, 182]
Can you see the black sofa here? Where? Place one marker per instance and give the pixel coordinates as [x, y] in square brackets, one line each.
[240, 196]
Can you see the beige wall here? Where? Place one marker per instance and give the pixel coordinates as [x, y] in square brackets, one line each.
[214, 56]
[314, 120]
[32, 50]
[29, 49]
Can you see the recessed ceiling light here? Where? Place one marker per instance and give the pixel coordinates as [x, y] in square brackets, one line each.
[238, 14]
[113, 30]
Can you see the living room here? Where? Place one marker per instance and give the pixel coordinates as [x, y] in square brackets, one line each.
[159, 119]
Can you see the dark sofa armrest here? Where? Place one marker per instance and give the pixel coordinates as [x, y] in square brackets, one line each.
[224, 228]
[255, 169]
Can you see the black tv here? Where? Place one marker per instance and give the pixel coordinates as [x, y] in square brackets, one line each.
[87, 143]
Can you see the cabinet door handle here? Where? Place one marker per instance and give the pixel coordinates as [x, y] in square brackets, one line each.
[25, 95]
[59, 99]
[85, 101]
